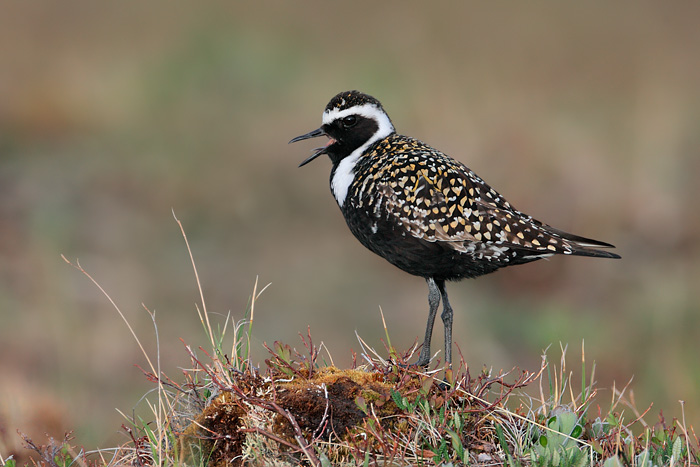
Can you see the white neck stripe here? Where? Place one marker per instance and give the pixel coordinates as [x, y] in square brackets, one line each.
[365, 110]
[345, 172]
[344, 176]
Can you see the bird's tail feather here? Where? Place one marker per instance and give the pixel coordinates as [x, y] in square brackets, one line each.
[594, 253]
[585, 246]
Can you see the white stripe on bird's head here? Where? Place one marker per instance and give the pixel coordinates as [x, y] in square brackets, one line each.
[371, 111]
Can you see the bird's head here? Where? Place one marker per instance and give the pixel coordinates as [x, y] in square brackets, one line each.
[351, 120]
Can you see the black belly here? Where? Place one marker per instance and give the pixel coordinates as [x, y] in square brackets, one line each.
[413, 255]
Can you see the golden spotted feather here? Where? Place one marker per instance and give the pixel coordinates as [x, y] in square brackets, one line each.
[405, 185]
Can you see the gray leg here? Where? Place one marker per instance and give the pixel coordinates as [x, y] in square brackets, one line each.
[447, 321]
[434, 302]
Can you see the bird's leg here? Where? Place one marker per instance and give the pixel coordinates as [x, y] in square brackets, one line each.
[434, 302]
[447, 321]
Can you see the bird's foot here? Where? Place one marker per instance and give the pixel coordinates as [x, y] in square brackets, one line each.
[443, 385]
[418, 366]
[421, 363]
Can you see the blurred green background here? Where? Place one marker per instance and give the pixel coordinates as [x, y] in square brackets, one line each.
[585, 115]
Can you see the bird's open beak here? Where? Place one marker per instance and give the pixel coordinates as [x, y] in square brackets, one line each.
[317, 151]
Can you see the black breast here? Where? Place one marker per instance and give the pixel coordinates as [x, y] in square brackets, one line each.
[397, 209]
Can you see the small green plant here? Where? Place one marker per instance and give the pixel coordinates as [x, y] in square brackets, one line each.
[282, 359]
[559, 445]
[665, 454]
[440, 423]
[54, 454]
[668, 451]
[290, 362]
[504, 446]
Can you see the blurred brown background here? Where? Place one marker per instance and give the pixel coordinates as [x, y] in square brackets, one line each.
[586, 116]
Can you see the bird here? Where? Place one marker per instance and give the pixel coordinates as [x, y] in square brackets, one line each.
[425, 212]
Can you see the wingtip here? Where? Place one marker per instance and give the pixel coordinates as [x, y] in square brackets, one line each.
[596, 253]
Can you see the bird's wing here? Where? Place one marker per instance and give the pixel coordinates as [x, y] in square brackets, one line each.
[448, 203]
[423, 208]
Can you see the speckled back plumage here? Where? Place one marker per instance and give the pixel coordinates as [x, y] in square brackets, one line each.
[430, 215]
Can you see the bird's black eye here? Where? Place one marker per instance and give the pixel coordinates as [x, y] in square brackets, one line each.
[349, 121]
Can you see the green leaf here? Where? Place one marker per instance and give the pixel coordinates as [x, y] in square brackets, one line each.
[456, 444]
[578, 429]
[400, 401]
[457, 422]
[426, 384]
[361, 404]
[556, 458]
[676, 451]
[643, 458]
[504, 445]
[613, 461]
[325, 461]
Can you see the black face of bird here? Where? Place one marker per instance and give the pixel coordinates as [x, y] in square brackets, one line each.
[349, 128]
[345, 135]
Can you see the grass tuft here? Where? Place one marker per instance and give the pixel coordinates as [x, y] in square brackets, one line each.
[298, 409]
